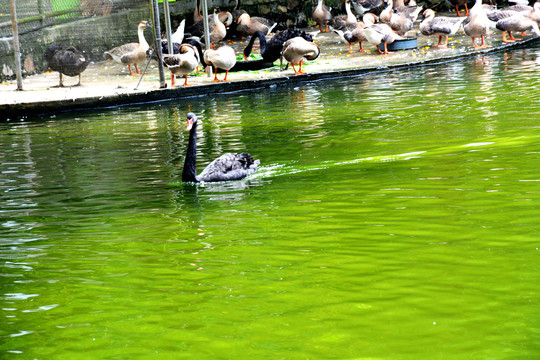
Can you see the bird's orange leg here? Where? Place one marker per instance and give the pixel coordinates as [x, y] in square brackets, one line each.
[350, 48]
[226, 73]
[511, 37]
[445, 45]
[385, 49]
[457, 11]
[215, 75]
[466, 10]
[440, 41]
[131, 71]
[474, 43]
[300, 69]
[326, 28]
[137, 69]
[361, 47]
[483, 44]
[185, 82]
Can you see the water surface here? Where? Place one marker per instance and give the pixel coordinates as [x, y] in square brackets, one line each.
[394, 216]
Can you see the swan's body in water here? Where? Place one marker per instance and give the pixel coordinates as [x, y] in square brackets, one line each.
[227, 167]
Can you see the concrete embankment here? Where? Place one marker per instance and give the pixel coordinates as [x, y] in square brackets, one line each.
[105, 84]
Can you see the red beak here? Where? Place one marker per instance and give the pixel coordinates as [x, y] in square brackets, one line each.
[189, 124]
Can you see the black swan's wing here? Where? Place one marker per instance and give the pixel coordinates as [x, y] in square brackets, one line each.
[274, 46]
[228, 167]
[67, 60]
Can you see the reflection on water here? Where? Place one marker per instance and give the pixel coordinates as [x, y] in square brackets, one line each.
[394, 215]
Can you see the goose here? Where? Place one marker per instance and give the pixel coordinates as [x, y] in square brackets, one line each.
[183, 63]
[197, 16]
[368, 6]
[322, 16]
[248, 25]
[132, 53]
[218, 31]
[297, 49]
[223, 58]
[227, 167]
[271, 50]
[339, 22]
[176, 38]
[458, 4]
[379, 33]
[477, 24]
[354, 33]
[67, 60]
[411, 11]
[399, 22]
[439, 26]
[516, 22]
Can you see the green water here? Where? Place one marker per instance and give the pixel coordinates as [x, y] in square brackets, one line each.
[394, 216]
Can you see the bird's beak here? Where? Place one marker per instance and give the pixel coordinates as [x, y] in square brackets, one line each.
[189, 124]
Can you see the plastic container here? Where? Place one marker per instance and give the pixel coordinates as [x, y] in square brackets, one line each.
[405, 44]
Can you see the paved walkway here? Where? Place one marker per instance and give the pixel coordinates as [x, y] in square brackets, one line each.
[109, 84]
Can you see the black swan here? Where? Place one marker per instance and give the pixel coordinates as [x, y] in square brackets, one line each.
[67, 60]
[227, 167]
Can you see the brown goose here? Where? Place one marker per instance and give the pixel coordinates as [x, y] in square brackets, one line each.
[249, 25]
[322, 16]
[183, 63]
[297, 49]
[132, 53]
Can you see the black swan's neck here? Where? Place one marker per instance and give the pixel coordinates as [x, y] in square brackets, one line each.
[262, 41]
[189, 174]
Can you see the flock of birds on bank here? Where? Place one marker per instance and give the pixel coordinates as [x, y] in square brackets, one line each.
[383, 22]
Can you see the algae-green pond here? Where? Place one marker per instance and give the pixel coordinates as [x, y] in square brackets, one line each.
[394, 216]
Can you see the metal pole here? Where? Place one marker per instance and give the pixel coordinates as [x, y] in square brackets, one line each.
[157, 37]
[167, 15]
[206, 33]
[40, 11]
[16, 48]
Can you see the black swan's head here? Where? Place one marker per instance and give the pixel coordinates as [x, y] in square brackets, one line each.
[191, 119]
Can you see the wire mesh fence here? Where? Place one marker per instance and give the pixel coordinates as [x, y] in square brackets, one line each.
[34, 15]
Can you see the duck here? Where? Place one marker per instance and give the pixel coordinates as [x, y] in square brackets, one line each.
[249, 25]
[354, 33]
[183, 63]
[516, 22]
[322, 15]
[458, 4]
[67, 60]
[399, 22]
[440, 26]
[271, 49]
[297, 49]
[362, 7]
[339, 22]
[223, 58]
[132, 53]
[477, 24]
[227, 167]
[380, 33]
